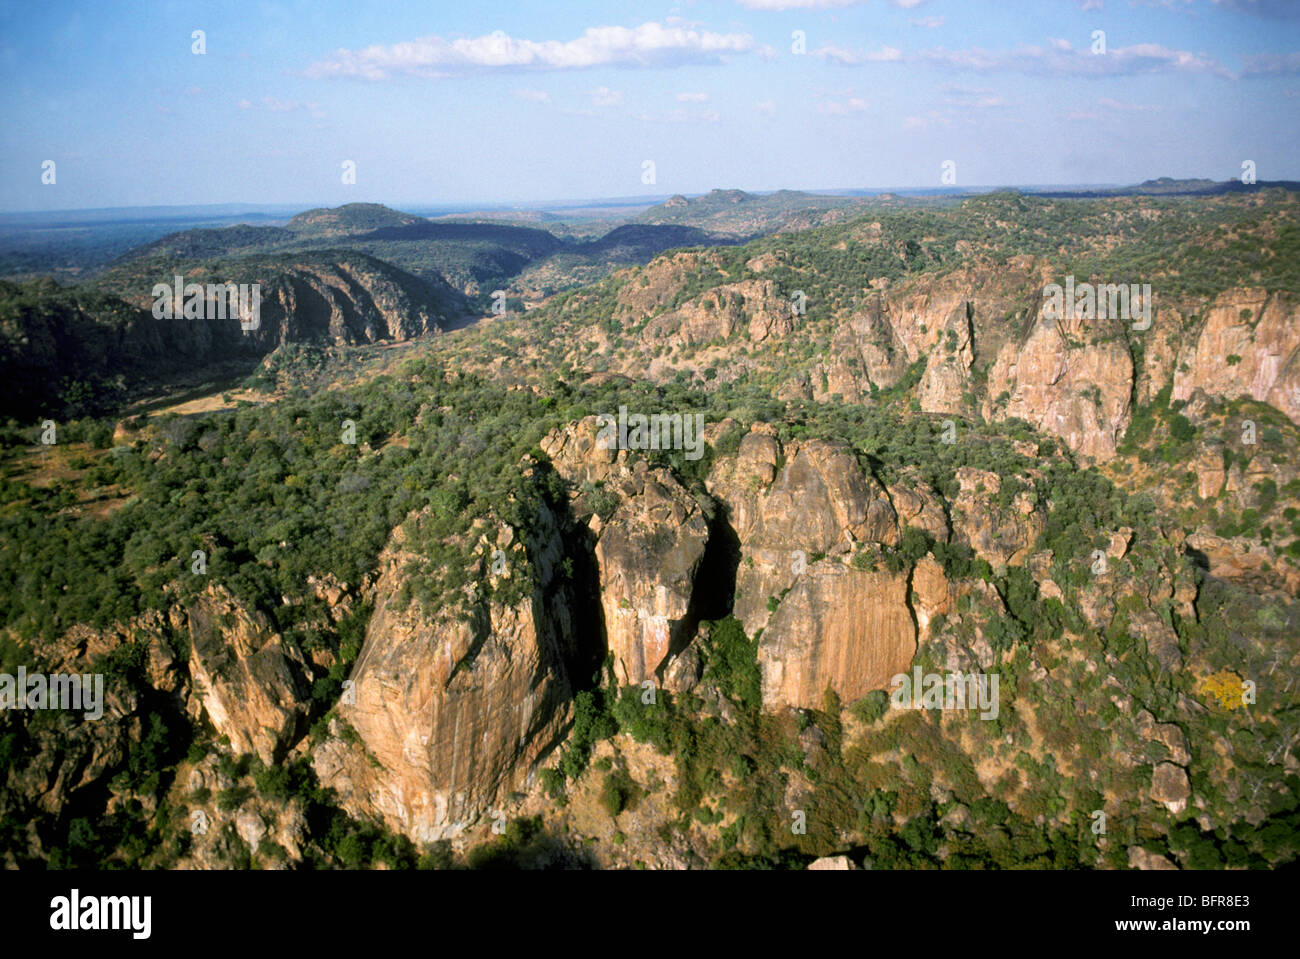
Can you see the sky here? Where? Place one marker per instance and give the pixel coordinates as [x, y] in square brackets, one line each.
[494, 102]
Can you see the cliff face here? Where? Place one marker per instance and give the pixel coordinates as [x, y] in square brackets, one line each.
[451, 708]
[819, 503]
[49, 335]
[1247, 345]
[248, 683]
[838, 628]
[648, 555]
[648, 550]
[981, 337]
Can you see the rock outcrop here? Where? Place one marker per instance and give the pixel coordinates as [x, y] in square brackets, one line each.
[453, 707]
[648, 548]
[838, 628]
[1247, 345]
[250, 684]
[819, 503]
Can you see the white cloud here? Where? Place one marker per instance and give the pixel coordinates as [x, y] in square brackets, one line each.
[843, 55]
[605, 97]
[1270, 64]
[838, 108]
[928, 23]
[692, 98]
[682, 115]
[1061, 59]
[817, 4]
[1269, 9]
[1108, 103]
[648, 45]
[796, 4]
[276, 105]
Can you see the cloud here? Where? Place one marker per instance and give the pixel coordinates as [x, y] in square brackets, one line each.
[932, 118]
[1109, 103]
[817, 4]
[1268, 9]
[692, 97]
[682, 115]
[1058, 58]
[276, 105]
[1270, 64]
[536, 96]
[796, 4]
[845, 56]
[605, 97]
[836, 108]
[971, 98]
[648, 45]
[927, 23]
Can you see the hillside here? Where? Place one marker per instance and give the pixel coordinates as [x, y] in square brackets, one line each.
[71, 351]
[348, 220]
[666, 657]
[737, 213]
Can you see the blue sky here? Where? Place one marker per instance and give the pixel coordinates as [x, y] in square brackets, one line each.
[497, 101]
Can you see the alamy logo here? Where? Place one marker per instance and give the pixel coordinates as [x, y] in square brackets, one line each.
[209, 301]
[1088, 301]
[74, 912]
[953, 691]
[658, 431]
[56, 691]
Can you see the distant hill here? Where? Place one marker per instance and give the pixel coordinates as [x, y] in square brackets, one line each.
[1169, 186]
[75, 350]
[349, 220]
[200, 244]
[738, 213]
[474, 257]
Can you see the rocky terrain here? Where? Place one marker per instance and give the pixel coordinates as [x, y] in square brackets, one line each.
[467, 631]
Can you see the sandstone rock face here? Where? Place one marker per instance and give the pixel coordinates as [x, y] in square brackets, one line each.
[871, 338]
[840, 628]
[1266, 342]
[648, 551]
[648, 555]
[832, 863]
[452, 708]
[1245, 561]
[820, 503]
[352, 300]
[1169, 735]
[947, 372]
[918, 504]
[317, 297]
[244, 677]
[1139, 858]
[1067, 378]
[1210, 474]
[752, 305]
[933, 591]
[577, 456]
[1170, 787]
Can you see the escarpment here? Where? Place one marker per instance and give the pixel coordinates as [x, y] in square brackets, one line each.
[451, 707]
